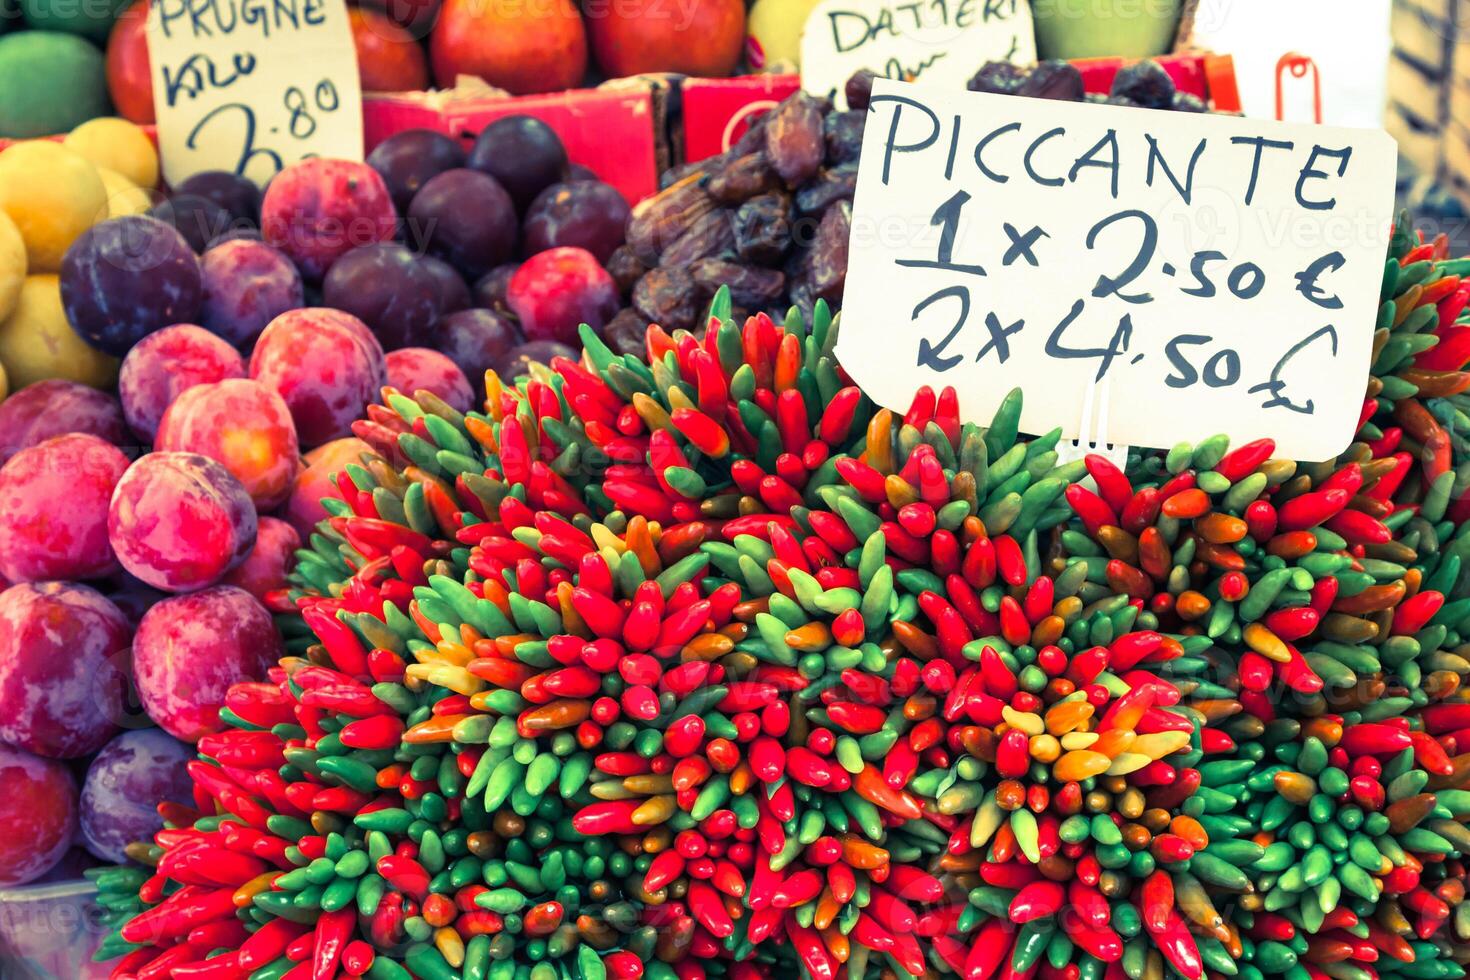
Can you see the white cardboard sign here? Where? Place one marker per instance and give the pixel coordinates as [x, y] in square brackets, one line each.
[253, 87]
[1222, 272]
[940, 41]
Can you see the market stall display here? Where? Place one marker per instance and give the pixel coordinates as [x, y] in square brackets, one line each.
[452, 564]
[981, 693]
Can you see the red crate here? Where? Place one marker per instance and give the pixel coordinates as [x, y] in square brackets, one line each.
[718, 110]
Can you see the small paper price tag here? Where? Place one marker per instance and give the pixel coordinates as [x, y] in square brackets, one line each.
[253, 87]
[944, 42]
[1222, 272]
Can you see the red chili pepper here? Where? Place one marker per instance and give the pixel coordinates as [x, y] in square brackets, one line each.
[1374, 739]
[1178, 946]
[1360, 528]
[1102, 942]
[377, 732]
[1088, 903]
[1009, 874]
[708, 909]
[913, 885]
[1243, 461]
[1297, 674]
[1311, 509]
[1112, 485]
[992, 947]
[797, 889]
[333, 932]
[1009, 560]
[1367, 791]
[1156, 900]
[223, 967]
[857, 719]
[1038, 900]
[607, 817]
[190, 906]
[1446, 717]
[1431, 755]
[1091, 509]
[1415, 612]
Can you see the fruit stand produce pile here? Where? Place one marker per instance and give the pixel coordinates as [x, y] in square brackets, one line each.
[698, 664]
[579, 647]
[184, 326]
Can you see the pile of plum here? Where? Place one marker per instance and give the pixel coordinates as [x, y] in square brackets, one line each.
[144, 533]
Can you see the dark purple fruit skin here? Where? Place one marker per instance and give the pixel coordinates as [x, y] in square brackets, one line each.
[127, 277]
[518, 360]
[235, 194]
[476, 340]
[247, 284]
[467, 219]
[57, 407]
[385, 286]
[132, 596]
[453, 293]
[199, 219]
[125, 783]
[576, 172]
[407, 160]
[523, 153]
[491, 289]
[587, 214]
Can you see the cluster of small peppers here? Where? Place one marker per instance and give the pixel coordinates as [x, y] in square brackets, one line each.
[327, 841]
[1336, 823]
[703, 665]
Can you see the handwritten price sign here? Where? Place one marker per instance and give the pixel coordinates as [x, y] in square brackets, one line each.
[252, 86]
[941, 41]
[1222, 272]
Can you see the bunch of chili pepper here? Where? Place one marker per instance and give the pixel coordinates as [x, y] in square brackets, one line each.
[337, 844]
[1342, 819]
[699, 663]
[1414, 407]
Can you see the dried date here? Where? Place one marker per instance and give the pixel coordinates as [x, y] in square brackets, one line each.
[626, 268]
[794, 140]
[667, 296]
[843, 132]
[624, 333]
[711, 235]
[667, 216]
[827, 263]
[750, 286]
[1058, 80]
[830, 186]
[743, 178]
[762, 229]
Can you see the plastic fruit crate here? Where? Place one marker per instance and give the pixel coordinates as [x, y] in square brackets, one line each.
[49, 932]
